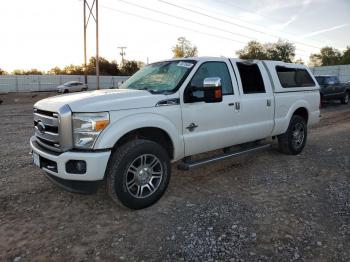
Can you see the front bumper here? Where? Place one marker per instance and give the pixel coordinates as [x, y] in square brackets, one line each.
[96, 163]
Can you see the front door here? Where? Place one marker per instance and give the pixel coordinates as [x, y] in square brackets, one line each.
[209, 126]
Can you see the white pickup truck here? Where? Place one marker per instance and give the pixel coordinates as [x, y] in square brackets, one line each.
[166, 112]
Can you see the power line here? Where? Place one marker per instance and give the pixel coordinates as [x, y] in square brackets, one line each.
[184, 19]
[182, 27]
[235, 18]
[228, 22]
[170, 24]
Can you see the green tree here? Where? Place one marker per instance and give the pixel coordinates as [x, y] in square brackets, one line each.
[106, 67]
[345, 59]
[281, 51]
[130, 67]
[184, 48]
[326, 57]
[253, 50]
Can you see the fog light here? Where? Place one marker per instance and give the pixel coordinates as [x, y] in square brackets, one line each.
[76, 167]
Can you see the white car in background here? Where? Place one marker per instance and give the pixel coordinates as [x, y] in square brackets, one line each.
[72, 86]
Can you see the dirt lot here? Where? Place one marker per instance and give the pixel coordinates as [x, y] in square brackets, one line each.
[266, 207]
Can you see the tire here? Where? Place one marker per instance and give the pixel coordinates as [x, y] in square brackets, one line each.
[84, 89]
[65, 91]
[293, 141]
[131, 171]
[345, 98]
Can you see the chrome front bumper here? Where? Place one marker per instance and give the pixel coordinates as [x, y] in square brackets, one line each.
[96, 162]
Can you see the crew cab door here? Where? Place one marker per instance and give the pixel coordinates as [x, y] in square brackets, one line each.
[209, 126]
[256, 100]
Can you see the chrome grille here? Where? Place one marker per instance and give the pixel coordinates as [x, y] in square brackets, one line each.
[46, 129]
[53, 130]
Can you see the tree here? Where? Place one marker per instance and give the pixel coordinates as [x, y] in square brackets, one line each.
[281, 51]
[32, 71]
[73, 70]
[3, 72]
[327, 56]
[345, 59]
[106, 67]
[130, 67]
[253, 50]
[56, 71]
[184, 48]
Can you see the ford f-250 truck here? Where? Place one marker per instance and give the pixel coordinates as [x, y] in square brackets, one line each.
[332, 89]
[166, 112]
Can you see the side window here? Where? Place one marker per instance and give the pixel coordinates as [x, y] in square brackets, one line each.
[251, 78]
[294, 77]
[335, 80]
[209, 69]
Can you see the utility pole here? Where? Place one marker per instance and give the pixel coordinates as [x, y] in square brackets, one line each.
[122, 53]
[86, 22]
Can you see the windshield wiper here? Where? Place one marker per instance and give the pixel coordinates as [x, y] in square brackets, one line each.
[152, 91]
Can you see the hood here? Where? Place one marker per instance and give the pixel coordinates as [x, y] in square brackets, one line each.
[101, 100]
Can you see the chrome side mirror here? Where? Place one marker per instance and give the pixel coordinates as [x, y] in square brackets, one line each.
[212, 88]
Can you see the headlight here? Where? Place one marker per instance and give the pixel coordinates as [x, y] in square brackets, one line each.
[87, 127]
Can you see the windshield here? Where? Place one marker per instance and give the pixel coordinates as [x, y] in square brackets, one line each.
[161, 77]
[68, 83]
[320, 80]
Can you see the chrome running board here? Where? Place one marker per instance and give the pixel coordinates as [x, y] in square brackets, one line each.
[189, 164]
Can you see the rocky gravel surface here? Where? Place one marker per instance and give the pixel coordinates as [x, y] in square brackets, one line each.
[262, 207]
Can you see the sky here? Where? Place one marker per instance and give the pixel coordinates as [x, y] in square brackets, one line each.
[46, 33]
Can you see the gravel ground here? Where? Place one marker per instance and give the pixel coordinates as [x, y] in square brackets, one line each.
[262, 207]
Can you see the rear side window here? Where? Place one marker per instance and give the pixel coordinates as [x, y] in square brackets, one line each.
[251, 78]
[294, 77]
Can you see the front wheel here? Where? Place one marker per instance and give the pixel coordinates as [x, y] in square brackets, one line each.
[293, 141]
[138, 173]
[346, 98]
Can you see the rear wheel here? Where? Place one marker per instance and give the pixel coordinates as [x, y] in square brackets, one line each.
[293, 141]
[346, 98]
[138, 173]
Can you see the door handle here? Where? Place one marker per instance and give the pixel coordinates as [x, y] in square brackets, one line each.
[268, 102]
[191, 127]
[238, 106]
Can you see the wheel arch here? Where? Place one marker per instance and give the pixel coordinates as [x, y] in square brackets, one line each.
[303, 112]
[147, 126]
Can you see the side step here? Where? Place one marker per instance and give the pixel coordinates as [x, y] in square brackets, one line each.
[188, 165]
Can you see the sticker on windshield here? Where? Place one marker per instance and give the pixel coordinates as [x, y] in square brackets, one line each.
[185, 64]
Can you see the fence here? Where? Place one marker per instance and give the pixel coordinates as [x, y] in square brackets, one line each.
[341, 71]
[31, 83]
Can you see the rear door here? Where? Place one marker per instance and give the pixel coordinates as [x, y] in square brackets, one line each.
[256, 100]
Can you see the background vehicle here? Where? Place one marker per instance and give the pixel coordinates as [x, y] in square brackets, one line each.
[170, 111]
[72, 86]
[332, 89]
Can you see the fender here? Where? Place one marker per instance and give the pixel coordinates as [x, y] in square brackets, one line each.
[122, 126]
[282, 123]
